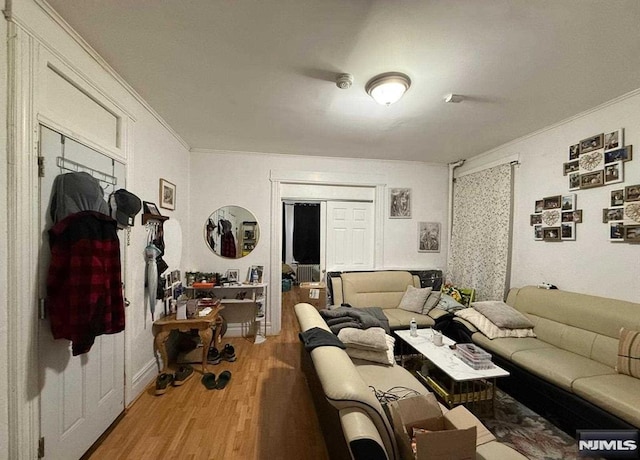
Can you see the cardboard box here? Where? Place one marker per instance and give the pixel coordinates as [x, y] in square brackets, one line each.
[450, 436]
[314, 293]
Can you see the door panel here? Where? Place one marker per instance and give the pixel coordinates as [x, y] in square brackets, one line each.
[80, 395]
[350, 235]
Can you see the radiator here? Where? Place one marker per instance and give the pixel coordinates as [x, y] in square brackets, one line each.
[307, 273]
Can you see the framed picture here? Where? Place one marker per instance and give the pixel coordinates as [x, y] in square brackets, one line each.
[572, 216]
[539, 206]
[591, 161]
[167, 195]
[552, 202]
[613, 173]
[632, 211]
[568, 231]
[150, 208]
[233, 275]
[616, 231]
[574, 181]
[569, 202]
[574, 152]
[400, 203]
[623, 154]
[617, 197]
[551, 233]
[631, 233]
[591, 143]
[632, 193]
[428, 237]
[537, 232]
[592, 179]
[535, 219]
[255, 274]
[571, 166]
[613, 140]
[175, 276]
[614, 214]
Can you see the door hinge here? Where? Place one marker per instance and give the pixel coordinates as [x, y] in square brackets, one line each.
[40, 166]
[42, 309]
[41, 448]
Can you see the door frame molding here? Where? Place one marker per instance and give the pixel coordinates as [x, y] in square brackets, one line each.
[279, 178]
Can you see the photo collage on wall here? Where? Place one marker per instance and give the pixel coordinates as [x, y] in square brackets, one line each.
[597, 160]
[623, 215]
[555, 218]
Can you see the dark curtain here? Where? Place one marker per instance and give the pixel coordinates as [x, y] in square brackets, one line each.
[306, 233]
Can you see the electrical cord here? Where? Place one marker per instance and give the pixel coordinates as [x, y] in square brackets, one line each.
[393, 393]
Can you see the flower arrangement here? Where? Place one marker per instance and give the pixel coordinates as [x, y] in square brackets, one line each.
[453, 291]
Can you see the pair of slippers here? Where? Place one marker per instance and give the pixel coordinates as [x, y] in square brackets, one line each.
[210, 382]
[164, 380]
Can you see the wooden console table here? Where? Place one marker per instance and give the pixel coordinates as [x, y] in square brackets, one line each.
[163, 327]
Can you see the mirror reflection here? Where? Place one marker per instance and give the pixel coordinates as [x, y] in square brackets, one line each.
[232, 232]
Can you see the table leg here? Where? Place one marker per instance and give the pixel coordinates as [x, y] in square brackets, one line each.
[160, 345]
[205, 336]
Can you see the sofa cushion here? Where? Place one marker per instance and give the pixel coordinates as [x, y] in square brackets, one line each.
[629, 353]
[559, 367]
[399, 319]
[373, 338]
[448, 303]
[618, 394]
[489, 329]
[507, 346]
[502, 315]
[414, 299]
[377, 356]
[432, 301]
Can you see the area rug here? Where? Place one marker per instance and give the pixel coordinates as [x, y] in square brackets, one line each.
[527, 432]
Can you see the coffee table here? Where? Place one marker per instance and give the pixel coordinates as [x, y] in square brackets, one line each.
[448, 376]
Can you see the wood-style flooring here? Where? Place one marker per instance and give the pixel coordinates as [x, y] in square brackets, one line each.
[265, 412]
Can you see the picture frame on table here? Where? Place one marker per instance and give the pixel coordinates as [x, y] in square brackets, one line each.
[617, 197]
[614, 140]
[592, 179]
[150, 208]
[591, 143]
[400, 203]
[429, 236]
[258, 270]
[623, 154]
[167, 195]
[616, 231]
[233, 275]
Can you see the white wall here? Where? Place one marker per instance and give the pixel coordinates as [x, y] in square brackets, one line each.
[591, 264]
[231, 178]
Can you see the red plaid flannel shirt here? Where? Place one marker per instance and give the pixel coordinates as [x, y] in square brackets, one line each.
[84, 287]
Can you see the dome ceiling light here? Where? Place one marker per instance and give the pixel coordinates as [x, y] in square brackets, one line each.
[388, 88]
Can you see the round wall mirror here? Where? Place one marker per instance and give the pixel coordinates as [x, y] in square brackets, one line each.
[231, 232]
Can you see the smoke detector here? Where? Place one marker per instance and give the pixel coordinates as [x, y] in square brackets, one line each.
[455, 98]
[344, 80]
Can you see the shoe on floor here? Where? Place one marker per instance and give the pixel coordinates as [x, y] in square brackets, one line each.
[213, 356]
[222, 381]
[162, 383]
[184, 373]
[209, 380]
[228, 353]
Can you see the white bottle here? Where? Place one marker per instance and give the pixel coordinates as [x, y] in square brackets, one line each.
[413, 328]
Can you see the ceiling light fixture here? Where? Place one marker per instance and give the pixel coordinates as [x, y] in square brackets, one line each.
[388, 88]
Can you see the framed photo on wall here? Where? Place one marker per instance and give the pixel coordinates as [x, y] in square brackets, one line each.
[400, 203]
[167, 195]
[428, 237]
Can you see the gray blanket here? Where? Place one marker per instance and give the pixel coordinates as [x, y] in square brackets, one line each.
[359, 318]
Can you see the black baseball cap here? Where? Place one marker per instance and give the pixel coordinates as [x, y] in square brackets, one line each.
[124, 207]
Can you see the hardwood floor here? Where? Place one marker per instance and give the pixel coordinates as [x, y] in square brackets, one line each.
[265, 412]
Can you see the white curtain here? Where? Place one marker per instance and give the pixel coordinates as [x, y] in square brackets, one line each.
[480, 240]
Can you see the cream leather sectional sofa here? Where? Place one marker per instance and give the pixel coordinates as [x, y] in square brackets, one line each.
[568, 371]
[353, 421]
[383, 289]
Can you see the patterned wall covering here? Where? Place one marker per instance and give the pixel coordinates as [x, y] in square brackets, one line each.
[480, 240]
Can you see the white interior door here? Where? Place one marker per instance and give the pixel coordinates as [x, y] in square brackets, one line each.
[349, 236]
[80, 395]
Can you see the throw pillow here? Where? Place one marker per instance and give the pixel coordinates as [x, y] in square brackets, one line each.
[448, 303]
[376, 356]
[431, 302]
[372, 338]
[502, 315]
[629, 353]
[414, 299]
[489, 329]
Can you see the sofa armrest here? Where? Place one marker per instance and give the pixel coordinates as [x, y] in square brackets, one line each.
[362, 435]
[467, 325]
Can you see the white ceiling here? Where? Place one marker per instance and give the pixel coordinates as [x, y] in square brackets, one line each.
[259, 75]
